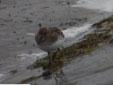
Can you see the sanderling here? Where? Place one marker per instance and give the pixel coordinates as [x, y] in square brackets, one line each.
[49, 39]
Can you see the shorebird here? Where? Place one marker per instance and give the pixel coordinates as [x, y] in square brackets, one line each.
[49, 39]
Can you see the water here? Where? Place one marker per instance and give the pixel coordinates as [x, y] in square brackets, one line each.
[74, 31]
[2, 77]
[16, 56]
[40, 55]
[100, 5]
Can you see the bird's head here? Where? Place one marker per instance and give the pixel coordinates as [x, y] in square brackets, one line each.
[43, 31]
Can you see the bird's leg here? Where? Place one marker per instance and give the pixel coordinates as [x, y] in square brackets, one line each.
[54, 56]
[50, 61]
[49, 57]
[55, 53]
[59, 57]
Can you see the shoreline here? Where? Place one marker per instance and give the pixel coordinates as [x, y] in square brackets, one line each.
[17, 18]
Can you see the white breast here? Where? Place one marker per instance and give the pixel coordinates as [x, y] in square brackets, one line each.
[52, 47]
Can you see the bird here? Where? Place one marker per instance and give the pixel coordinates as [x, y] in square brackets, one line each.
[49, 39]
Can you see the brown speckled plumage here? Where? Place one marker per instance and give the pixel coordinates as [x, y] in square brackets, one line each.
[48, 35]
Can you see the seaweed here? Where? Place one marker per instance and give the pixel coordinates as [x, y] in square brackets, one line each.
[109, 20]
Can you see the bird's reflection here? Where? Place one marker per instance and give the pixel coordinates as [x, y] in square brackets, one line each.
[58, 76]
